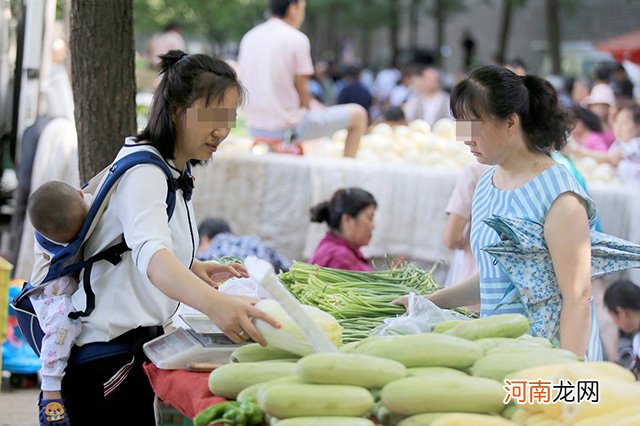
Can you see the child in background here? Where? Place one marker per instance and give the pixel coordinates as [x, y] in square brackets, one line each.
[57, 211]
[456, 231]
[622, 299]
[587, 132]
[625, 151]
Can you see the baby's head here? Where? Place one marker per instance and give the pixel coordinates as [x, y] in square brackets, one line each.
[57, 211]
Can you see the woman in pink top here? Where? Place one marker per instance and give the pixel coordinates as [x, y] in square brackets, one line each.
[349, 214]
[588, 131]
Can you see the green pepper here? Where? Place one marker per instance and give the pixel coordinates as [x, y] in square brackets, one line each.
[235, 416]
[206, 416]
[252, 412]
[233, 413]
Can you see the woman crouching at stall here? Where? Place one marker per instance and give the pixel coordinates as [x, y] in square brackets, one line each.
[513, 123]
[349, 215]
[192, 110]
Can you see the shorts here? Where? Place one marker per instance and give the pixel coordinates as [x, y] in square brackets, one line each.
[324, 122]
[314, 124]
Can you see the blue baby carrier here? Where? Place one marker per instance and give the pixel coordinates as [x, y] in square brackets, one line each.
[63, 263]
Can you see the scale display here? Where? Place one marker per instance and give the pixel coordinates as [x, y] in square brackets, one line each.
[176, 349]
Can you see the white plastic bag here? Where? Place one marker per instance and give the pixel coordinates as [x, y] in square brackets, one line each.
[249, 287]
[421, 316]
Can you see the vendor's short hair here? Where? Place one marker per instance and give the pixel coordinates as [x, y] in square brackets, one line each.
[213, 226]
[279, 7]
[394, 113]
[622, 294]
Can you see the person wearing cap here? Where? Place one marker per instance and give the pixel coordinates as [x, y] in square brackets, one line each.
[600, 101]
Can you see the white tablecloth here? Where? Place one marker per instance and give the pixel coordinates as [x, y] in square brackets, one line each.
[269, 196]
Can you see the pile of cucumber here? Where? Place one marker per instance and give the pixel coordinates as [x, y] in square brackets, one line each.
[452, 376]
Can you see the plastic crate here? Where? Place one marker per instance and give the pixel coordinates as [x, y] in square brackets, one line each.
[169, 416]
[5, 277]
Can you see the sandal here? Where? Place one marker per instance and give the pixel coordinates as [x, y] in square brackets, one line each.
[53, 413]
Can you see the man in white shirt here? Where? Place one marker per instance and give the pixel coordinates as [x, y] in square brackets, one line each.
[275, 68]
[429, 102]
[170, 39]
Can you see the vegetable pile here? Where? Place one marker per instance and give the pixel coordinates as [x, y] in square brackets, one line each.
[454, 377]
[360, 301]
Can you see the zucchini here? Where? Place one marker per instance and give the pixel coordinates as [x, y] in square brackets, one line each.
[424, 419]
[325, 421]
[252, 391]
[414, 395]
[443, 326]
[464, 419]
[497, 365]
[533, 351]
[423, 350]
[509, 411]
[505, 325]
[435, 372]
[228, 380]
[489, 343]
[349, 369]
[539, 340]
[256, 353]
[287, 400]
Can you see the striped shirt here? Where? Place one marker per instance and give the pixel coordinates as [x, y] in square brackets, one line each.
[530, 201]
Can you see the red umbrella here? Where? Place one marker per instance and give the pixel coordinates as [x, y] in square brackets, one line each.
[625, 46]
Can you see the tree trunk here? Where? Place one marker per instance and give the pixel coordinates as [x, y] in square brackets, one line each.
[365, 45]
[394, 29]
[440, 17]
[104, 88]
[553, 34]
[414, 18]
[505, 28]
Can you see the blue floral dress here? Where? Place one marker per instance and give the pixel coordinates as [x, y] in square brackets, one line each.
[499, 293]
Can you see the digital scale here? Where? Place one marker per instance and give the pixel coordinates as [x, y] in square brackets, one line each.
[202, 342]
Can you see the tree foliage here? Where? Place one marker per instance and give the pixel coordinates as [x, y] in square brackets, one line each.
[218, 20]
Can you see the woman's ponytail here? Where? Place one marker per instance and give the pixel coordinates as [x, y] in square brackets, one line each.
[350, 201]
[546, 123]
[494, 92]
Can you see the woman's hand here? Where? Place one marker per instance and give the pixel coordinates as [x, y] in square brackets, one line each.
[234, 314]
[214, 273]
[402, 301]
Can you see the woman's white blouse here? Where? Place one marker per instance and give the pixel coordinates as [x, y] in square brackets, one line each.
[125, 297]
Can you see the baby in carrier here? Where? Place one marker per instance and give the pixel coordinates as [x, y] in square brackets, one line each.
[56, 211]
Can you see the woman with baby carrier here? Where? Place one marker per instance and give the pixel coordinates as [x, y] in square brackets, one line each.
[192, 110]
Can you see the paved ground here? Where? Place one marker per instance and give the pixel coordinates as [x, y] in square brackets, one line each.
[18, 406]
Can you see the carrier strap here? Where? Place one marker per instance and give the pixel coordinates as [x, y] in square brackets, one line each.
[112, 255]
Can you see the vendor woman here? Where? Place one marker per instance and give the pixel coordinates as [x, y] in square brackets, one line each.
[513, 123]
[349, 214]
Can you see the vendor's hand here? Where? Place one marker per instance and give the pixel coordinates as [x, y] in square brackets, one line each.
[402, 301]
[234, 314]
[214, 273]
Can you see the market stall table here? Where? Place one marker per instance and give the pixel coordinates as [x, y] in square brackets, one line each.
[186, 391]
[269, 196]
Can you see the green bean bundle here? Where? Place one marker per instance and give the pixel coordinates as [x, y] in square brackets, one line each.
[360, 301]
